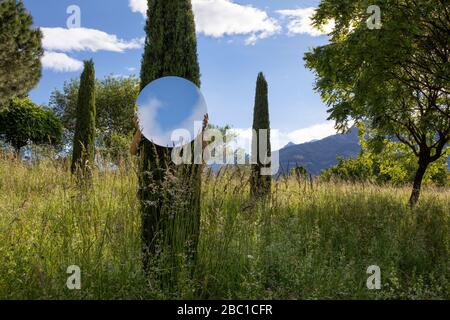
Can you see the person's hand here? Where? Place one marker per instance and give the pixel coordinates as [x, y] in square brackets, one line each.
[137, 136]
[205, 121]
[136, 122]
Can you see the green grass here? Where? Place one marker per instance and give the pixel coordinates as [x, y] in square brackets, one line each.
[307, 242]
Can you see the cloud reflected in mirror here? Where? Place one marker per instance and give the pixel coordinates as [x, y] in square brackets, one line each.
[171, 111]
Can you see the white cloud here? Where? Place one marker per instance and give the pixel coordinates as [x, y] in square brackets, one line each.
[218, 18]
[138, 6]
[316, 132]
[60, 62]
[280, 138]
[84, 39]
[300, 22]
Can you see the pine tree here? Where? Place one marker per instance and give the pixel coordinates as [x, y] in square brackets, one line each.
[260, 184]
[20, 51]
[170, 50]
[83, 144]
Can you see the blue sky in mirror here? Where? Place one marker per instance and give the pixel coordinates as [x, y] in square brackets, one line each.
[170, 104]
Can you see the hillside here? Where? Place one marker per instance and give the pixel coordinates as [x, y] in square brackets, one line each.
[318, 155]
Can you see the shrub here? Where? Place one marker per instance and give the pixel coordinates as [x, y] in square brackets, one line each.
[23, 122]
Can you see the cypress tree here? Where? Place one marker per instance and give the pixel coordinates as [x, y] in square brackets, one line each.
[83, 144]
[260, 184]
[170, 50]
[20, 51]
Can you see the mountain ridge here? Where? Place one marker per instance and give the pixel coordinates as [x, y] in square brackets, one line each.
[318, 155]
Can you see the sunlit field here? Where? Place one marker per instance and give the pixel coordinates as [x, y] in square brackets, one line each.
[309, 241]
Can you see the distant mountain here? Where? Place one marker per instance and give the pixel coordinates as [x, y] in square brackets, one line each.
[290, 144]
[317, 155]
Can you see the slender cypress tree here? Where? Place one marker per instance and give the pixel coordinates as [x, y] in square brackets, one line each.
[83, 144]
[170, 50]
[260, 184]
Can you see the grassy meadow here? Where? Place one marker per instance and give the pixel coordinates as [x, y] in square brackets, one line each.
[310, 241]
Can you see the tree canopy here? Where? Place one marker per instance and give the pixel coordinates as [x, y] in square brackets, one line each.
[385, 161]
[22, 122]
[20, 51]
[396, 79]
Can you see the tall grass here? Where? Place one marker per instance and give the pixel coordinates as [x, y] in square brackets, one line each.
[308, 241]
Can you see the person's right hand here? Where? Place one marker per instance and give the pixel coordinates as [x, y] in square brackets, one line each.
[205, 121]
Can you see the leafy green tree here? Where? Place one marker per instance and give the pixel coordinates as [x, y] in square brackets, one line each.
[83, 143]
[260, 184]
[64, 103]
[384, 160]
[352, 170]
[396, 79]
[22, 122]
[20, 51]
[115, 100]
[170, 50]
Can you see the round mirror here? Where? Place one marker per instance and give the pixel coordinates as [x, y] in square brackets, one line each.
[171, 111]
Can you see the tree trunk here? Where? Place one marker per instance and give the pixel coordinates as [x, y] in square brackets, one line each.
[152, 196]
[423, 165]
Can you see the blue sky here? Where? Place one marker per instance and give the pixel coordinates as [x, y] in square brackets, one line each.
[236, 40]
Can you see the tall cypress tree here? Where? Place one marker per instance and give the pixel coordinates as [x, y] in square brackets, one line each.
[83, 144]
[20, 51]
[170, 50]
[260, 184]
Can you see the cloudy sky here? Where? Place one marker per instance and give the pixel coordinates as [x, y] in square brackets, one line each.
[236, 40]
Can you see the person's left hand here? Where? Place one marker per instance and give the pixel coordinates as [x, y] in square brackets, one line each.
[136, 122]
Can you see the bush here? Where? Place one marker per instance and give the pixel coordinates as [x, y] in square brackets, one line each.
[23, 122]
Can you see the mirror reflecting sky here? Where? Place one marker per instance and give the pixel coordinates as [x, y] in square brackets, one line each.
[168, 104]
